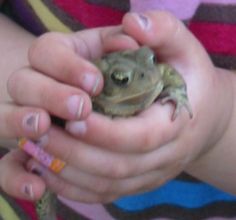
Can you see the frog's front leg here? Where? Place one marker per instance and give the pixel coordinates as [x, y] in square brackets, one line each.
[175, 90]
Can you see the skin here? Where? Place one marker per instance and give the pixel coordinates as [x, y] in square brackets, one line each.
[106, 163]
[132, 82]
[13, 115]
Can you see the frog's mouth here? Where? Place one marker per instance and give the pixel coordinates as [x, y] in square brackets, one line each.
[142, 97]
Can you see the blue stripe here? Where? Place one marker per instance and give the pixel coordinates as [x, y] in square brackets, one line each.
[179, 193]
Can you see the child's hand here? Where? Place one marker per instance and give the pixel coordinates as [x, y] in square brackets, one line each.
[115, 157]
[109, 158]
[60, 82]
[60, 78]
[20, 121]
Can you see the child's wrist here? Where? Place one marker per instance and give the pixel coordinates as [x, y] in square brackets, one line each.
[225, 87]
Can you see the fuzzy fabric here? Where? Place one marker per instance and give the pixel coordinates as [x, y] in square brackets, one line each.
[213, 22]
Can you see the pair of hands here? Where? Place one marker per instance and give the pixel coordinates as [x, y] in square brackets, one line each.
[107, 158]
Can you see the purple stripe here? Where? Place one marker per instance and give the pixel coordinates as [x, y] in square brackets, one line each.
[26, 17]
[90, 211]
[183, 9]
[220, 1]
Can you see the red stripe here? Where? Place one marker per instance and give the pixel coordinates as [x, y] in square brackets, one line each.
[217, 38]
[28, 207]
[90, 15]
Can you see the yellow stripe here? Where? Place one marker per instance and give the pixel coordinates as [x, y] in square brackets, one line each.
[6, 212]
[51, 22]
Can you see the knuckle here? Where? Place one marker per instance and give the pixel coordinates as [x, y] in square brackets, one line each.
[147, 142]
[170, 28]
[68, 155]
[49, 95]
[42, 44]
[37, 45]
[6, 183]
[13, 122]
[59, 186]
[13, 83]
[172, 24]
[45, 96]
[102, 186]
[119, 170]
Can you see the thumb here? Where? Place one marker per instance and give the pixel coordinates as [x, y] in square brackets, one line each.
[16, 181]
[167, 35]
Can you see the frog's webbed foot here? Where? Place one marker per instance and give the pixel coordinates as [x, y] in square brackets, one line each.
[179, 97]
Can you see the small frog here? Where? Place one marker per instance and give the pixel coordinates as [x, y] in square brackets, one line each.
[133, 80]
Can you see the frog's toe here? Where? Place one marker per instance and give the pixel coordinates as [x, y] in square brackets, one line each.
[178, 108]
[189, 109]
[179, 104]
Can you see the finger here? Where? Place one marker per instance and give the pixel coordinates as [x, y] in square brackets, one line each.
[102, 162]
[104, 40]
[145, 182]
[57, 98]
[167, 35]
[109, 186]
[142, 133]
[74, 176]
[64, 57]
[112, 186]
[16, 181]
[68, 187]
[17, 121]
[54, 54]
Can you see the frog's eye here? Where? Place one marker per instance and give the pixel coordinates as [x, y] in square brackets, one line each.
[120, 78]
[151, 60]
[154, 59]
[146, 56]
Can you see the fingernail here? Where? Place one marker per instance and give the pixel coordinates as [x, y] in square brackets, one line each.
[91, 82]
[28, 191]
[31, 122]
[77, 127]
[143, 21]
[75, 105]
